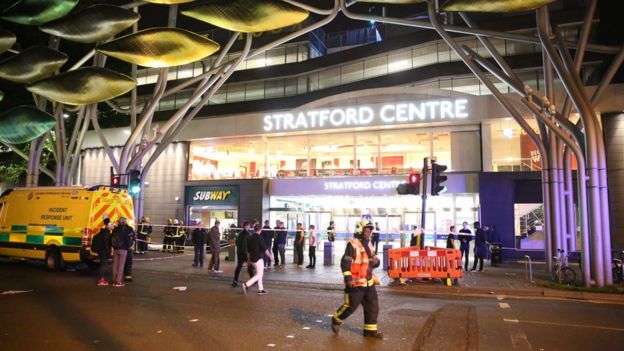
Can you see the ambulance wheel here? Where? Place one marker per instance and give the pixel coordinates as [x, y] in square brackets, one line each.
[53, 259]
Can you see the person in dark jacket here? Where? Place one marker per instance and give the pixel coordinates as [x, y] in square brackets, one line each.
[121, 240]
[375, 238]
[215, 248]
[282, 234]
[130, 257]
[414, 237]
[144, 233]
[255, 252]
[276, 261]
[241, 253]
[480, 247]
[299, 243]
[267, 235]
[101, 244]
[465, 237]
[199, 238]
[450, 240]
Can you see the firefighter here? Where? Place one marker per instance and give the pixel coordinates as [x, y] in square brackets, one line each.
[180, 238]
[168, 237]
[143, 234]
[357, 266]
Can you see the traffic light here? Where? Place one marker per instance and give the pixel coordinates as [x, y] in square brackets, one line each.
[437, 178]
[115, 180]
[412, 187]
[134, 181]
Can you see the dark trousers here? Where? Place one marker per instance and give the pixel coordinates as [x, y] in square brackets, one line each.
[276, 253]
[267, 259]
[282, 252]
[365, 296]
[214, 258]
[142, 243]
[464, 248]
[128, 265]
[312, 255]
[199, 255]
[479, 253]
[375, 243]
[167, 243]
[299, 251]
[103, 264]
[240, 261]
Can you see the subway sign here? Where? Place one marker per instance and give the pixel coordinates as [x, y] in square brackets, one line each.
[362, 116]
[223, 195]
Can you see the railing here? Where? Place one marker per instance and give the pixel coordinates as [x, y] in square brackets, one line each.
[528, 269]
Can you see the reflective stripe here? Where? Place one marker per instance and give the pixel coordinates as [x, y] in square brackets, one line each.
[347, 273]
[370, 327]
[371, 282]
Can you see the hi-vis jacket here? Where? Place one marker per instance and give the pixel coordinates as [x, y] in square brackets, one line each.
[357, 266]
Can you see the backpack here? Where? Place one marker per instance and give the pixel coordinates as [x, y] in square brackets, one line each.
[96, 242]
[116, 241]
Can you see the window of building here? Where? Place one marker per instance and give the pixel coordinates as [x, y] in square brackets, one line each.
[241, 158]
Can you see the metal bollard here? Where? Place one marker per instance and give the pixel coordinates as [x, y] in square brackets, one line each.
[528, 269]
[328, 253]
[386, 262]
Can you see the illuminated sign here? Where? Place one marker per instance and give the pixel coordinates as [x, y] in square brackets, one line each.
[387, 114]
[223, 195]
[360, 185]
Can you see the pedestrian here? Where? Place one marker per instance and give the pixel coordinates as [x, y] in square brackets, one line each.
[276, 244]
[101, 244]
[169, 231]
[255, 251]
[267, 235]
[376, 234]
[215, 248]
[465, 237]
[121, 243]
[198, 237]
[331, 232]
[241, 253]
[282, 235]
[450, 240]
[488, 239]
[129, 255]
[414, 237]
[480, 247]
[299, 242]
[144, 234]
[357, 266]
[313, 242]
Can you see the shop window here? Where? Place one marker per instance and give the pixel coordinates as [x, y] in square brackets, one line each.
[403, 151]
[288, 157]
[332, 154]
[511, 148]
[442, 149]
[225, 160]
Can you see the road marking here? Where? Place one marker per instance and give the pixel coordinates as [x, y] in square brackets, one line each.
[193, 320]
[271, 345]
[15, 292]
[519, 340]
[290, 336]
[319, 321]
[510, 320]
[575, 325]
[504, 305]
[500, 297]
[306, 328]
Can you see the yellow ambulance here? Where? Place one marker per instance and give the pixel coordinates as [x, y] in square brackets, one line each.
[56, 224]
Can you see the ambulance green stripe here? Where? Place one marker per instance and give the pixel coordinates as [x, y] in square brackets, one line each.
[34, 239]
[4, 236]
[19, 229]
[54, 230]
[72, 241]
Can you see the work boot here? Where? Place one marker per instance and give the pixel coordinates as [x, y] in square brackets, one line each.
[335, 327]
[373, 334]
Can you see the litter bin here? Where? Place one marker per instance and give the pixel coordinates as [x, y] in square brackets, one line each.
[328, 253]
[497, 252]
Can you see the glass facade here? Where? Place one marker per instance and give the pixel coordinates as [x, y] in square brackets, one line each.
[387, 151]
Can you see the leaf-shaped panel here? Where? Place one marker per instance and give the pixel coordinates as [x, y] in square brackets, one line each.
[32, 64]
[248, 16]
[88, 85]
[160, 47]
[22, 124]
[7, 39]
[92, 24]
[494, 5]
[37, 12]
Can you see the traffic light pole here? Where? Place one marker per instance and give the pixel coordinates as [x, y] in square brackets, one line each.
[423, 181]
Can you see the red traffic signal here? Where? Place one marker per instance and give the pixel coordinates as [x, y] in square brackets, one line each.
[414, 179]
[115, 180]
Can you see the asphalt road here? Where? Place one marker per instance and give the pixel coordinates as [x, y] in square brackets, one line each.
[67, 311]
